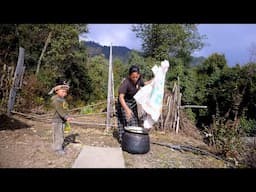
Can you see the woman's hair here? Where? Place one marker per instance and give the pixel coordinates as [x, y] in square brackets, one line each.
[133, 69]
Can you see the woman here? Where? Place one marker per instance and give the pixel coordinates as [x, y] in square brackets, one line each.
[126, 106]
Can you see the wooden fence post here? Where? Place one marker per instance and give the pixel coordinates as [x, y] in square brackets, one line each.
[110, 89]
[16, 80]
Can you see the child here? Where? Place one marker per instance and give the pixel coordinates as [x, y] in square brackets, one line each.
[60, 116]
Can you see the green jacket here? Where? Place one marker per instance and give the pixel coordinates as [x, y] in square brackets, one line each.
[60, 106]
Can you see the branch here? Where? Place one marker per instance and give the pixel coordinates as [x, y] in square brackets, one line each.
[193, 106]
[192, 149]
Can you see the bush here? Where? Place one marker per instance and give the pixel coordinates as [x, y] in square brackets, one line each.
[191, 116]
[86, 110]
[31, 94]
[250, 157]
[227, 138]
[248, 126]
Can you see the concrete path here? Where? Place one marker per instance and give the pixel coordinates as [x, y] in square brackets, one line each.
[99, 157]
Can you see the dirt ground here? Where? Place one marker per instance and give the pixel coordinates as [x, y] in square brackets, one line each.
[26, 143]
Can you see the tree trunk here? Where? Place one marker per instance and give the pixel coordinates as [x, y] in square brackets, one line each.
[43, 51]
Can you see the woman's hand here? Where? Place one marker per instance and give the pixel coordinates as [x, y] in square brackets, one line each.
[148, 82]
[128, 113]
[70, 119]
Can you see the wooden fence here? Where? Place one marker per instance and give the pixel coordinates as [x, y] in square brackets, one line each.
[171, 111]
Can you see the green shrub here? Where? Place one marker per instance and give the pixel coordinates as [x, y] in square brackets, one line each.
[248, 126]
[190, 114]
[86, 110]
[227, 138]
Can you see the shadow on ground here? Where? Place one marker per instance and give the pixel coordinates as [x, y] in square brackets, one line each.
[10, 123]
[115, 134]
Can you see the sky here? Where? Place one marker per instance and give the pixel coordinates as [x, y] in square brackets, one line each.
[232, 40]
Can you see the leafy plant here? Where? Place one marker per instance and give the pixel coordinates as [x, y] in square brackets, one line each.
[86, 110]
[248, 126]
[227, 138]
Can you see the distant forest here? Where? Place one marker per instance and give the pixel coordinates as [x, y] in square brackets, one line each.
[119, 52]
[122, 52]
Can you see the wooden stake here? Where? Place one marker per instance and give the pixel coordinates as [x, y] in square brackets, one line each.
[108, 124]
[17, 76]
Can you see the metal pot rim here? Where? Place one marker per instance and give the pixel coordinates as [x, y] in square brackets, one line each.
[135, 129]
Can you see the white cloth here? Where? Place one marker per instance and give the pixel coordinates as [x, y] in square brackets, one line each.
[150, 97]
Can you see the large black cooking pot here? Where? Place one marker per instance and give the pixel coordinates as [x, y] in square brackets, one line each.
[135, 140]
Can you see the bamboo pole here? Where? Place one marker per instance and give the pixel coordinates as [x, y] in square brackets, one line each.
[193, 106]
[49, 120]
[108, 124]
[79, 108]
[178, 106]
[178, 114]
[174, 111]
[169, 111]
[86, 123]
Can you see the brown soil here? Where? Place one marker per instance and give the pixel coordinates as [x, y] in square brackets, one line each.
[28, 144]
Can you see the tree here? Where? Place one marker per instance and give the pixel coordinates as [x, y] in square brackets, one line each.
[145, 65]
[162, 41]
[67, 58]
[119, 74]
[8, 45]
[207, 79]
[213, 64]
[32, 37]
[63, 57]
[75, 70]
[249, 99]
[98, 71]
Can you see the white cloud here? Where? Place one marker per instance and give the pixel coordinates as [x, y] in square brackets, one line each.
[117, 34]
[233, 40]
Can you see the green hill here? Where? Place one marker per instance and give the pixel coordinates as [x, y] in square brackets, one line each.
[120, 52]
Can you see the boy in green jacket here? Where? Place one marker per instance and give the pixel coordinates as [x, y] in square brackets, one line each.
[60, 115]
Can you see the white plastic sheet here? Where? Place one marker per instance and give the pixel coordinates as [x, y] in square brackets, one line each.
[150, 97]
